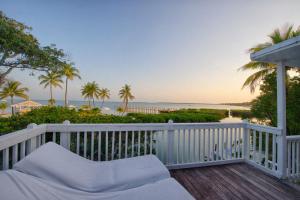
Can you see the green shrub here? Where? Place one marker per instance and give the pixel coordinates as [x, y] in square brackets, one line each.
[59, 114]
[244, 114]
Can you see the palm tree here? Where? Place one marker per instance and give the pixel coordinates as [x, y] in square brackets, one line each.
[263, 69]
[90, 91]
[103, 94]
[126, 95]
[12, 89]
[51, 79]
[70, 73]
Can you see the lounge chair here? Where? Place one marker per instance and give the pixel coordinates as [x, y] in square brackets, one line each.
[19, 186]
[55, 163]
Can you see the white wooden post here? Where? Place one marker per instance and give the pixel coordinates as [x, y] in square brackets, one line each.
[31, 143]
[281, 119]
[65, 137]
[246, 136]
[170, 142]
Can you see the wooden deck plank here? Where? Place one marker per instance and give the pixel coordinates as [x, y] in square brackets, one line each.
[235, 181]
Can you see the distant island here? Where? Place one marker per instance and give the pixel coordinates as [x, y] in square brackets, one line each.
[245, 104]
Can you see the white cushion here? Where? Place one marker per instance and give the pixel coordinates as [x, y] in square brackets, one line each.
[19, 186]
[55, 163]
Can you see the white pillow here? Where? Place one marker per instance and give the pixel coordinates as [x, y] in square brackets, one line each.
[55, 163]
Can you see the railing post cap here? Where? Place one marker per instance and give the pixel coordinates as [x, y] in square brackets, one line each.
[66, 122]
[170, 121]
[31, 125]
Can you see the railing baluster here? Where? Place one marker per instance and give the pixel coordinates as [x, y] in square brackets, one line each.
[120, 144]
[231, 135]
[213, 144]
[178, 146]
[84, 144]
[204, 145]
[92, 145]
[289, 158]
[139, 143]
[260, 147]
[15, 154]
[222, 143]
[145, 143]
[183, 146]
[189, 145]
[126, 143]
[267, 150]
[43, 138]
[218, 144]
[5, 159]
[273, 152]
[239, 142]
[235, 142]
[99, 145]
[226, 143]
[113, 146]
[199, 144]
[151, 142]
[106, 145]
[293, 157]
[78, 143]
[132, 144]
[208, 144]
[23, 150]
[194, 145]
[254, 145]
[297, 158]
[54, 137]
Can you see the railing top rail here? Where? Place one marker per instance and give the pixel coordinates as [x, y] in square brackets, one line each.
[137, 126]
[262, 128]
[20, 136]
[293, 137]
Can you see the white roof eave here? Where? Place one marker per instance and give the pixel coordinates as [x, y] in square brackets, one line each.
[286, 52]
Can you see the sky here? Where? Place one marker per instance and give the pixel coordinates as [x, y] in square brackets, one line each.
[170, 51]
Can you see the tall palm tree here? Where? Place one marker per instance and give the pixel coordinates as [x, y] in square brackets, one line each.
[263, 69]
[126, 95]
[51, 79]
[70, 73]
[12, 89]
[103, 94]
[90, 91]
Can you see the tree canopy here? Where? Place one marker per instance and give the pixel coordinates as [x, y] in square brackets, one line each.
[19, 49]
[264, 107]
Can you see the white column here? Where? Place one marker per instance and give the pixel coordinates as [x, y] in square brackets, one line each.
[281, 119]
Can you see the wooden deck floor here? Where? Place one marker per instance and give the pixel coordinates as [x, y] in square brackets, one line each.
[235, 181]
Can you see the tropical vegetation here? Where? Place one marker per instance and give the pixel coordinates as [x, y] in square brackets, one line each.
[126, 95]
[13, 89]
[16, 41]
[70, 73]
[56, 114]
[90, 91]
[51, 79]
[3, 106]
[104, 93]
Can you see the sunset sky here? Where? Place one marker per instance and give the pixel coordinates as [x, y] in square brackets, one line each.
[175, 51]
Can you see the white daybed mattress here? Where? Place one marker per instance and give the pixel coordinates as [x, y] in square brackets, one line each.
[15, 185]
[54, 163]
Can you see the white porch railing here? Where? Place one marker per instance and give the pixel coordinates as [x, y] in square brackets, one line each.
[177, 145]
[293, 156]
